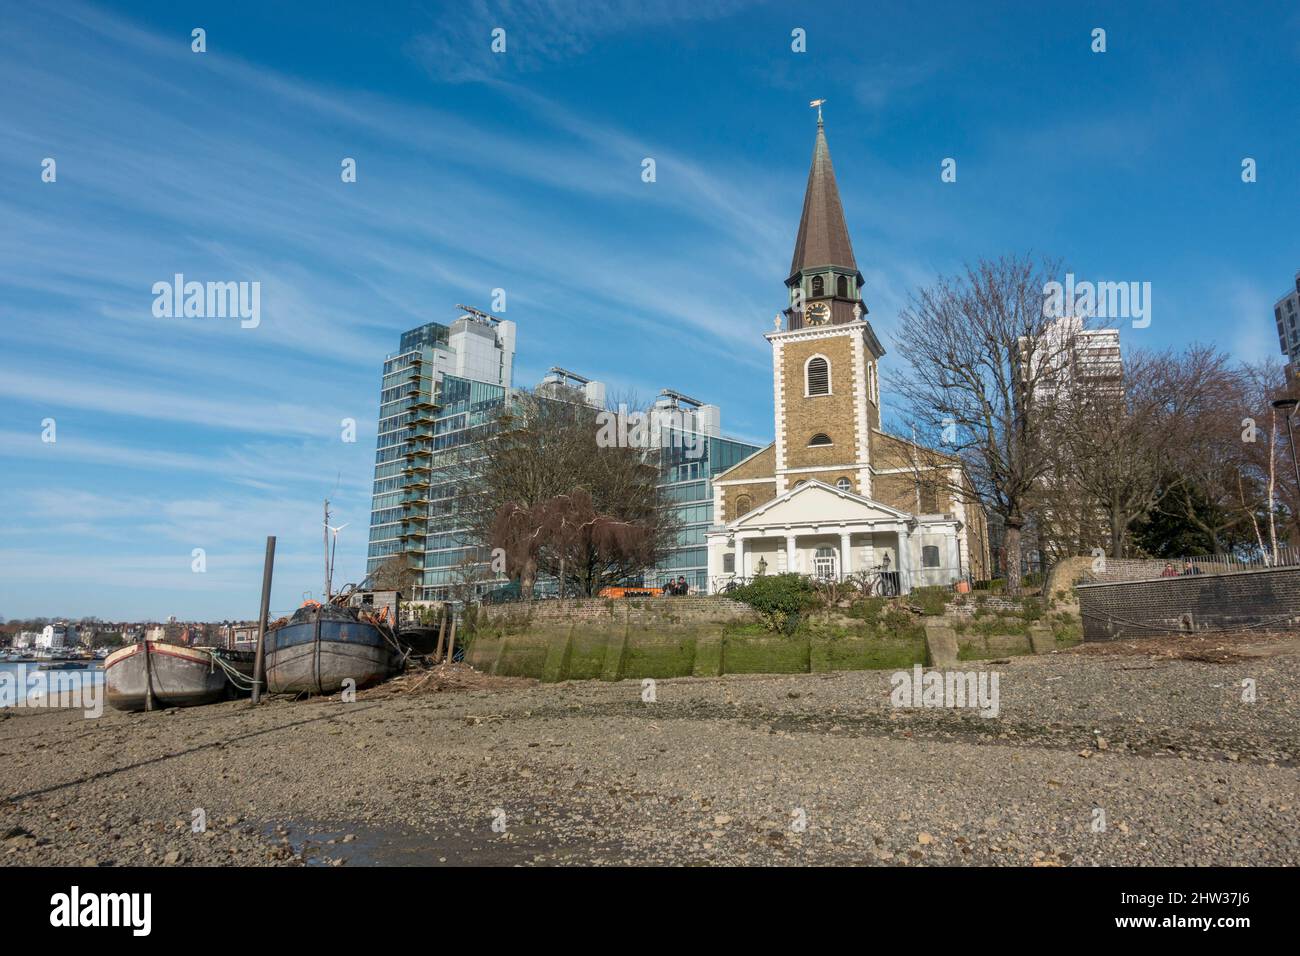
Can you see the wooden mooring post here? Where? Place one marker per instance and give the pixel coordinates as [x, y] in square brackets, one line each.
[259, 663]
[148, 675]
[442, 636]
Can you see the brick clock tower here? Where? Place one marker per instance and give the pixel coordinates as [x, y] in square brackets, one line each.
[824, 361]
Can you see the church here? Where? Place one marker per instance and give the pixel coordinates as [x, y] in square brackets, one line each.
[834, 495]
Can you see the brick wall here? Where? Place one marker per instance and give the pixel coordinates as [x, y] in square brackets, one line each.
[1132, 569]
[1069, 571]
[1264, 599]
[758, 492]
[701, 609]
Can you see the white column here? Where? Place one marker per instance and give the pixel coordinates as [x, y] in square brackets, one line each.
[742, 557]
[791, 554]
[716, 548]
[846, 553]
[904, 559]
[954, 563]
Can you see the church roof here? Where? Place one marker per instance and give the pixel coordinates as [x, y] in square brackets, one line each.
[823, 238]
[833, 506]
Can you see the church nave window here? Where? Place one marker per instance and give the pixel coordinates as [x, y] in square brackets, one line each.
[821, 438]
[818, 373]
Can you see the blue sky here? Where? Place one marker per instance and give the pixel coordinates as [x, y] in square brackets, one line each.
[522, 171]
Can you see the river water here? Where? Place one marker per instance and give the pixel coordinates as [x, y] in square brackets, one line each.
[26, 683]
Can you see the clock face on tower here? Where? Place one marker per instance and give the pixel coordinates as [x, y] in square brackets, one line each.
[819, 313]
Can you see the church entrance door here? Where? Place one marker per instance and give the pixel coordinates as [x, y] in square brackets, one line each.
[824, 563]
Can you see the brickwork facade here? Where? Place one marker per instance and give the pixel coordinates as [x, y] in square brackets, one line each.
[837, 415]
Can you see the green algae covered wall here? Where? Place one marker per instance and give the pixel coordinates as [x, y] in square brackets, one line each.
[665, 637]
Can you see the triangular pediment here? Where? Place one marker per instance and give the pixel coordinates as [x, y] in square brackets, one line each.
[817, 503]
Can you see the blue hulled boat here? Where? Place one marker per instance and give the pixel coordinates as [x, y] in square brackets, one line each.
[323, 645]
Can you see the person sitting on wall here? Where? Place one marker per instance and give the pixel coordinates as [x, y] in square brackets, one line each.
[1189, 568]
[681, 585]
[1169, 571]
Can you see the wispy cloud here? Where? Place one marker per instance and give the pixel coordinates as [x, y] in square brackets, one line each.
[457, 48]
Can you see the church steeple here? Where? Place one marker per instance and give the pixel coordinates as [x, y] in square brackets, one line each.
[823, 265]
[823, 238]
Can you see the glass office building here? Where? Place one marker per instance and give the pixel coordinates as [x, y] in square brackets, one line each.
[687, 484]
[440, 390]
[441, 394]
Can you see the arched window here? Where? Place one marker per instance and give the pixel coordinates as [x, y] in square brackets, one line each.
[842, 287]
[818, 286]
[743, 504]
[844, 484]
[821, 438]
[818, 374]
[801, 482]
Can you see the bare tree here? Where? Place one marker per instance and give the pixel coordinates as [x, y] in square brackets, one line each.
[560, 499]
[1137, 446]
[981, 369]
[395, 574]
[1267, 480]
[1214, 454]
[467, 577]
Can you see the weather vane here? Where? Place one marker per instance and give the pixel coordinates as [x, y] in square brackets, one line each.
[818, 104]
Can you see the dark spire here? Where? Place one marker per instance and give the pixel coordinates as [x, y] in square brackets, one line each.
[823, 236]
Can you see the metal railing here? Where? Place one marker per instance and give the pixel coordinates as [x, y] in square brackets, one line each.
[876, 582]
[1140, 568]
[1287, 556]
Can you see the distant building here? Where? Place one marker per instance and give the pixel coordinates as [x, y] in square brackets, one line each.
[57, 636]
[438, 391]
[170, 633]
[565, 386]
[237, 636]
[1081, 363]
[1286, 313]
[692, 452]
[1085, 361]
[441, 394]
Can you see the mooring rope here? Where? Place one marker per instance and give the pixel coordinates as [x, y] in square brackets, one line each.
[242, 681]
[1111, 619]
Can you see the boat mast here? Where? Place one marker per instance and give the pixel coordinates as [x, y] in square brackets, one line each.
[326, 534]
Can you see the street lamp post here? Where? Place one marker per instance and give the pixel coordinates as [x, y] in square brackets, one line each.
[1286, 406]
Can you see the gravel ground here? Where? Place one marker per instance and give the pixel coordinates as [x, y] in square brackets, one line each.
[816, 769]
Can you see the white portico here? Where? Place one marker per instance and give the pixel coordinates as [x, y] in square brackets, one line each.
[826, 532]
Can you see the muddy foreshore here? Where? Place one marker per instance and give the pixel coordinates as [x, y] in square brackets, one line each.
[1163, 752]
